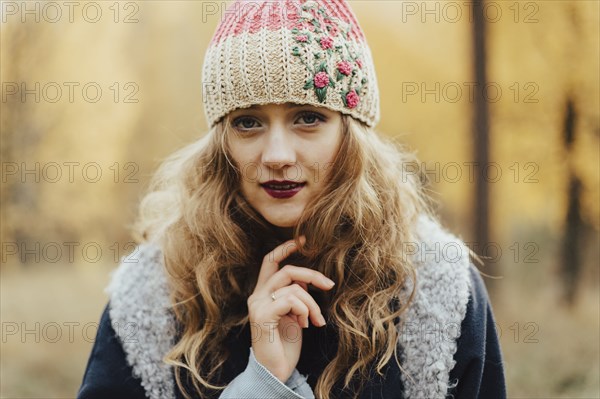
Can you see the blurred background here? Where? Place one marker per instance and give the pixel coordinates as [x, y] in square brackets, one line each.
[501, 106]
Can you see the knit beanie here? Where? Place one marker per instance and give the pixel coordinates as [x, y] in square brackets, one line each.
[299, 51]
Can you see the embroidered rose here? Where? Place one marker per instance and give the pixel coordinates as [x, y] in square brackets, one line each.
[321, 80]
[359, 63]
[344, 67]
[302, 38]
[352, 99]
[326, 42]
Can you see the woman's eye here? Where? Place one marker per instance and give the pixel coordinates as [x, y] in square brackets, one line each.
[244, 123]
[310, 118]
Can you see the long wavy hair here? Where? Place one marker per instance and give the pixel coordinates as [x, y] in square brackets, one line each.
[209, 236]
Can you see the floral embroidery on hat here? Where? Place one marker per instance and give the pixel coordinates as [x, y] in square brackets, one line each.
[332, 29]
[344, 68]
[351, 99]
[326, 42]
[334, 48]
[321, 80]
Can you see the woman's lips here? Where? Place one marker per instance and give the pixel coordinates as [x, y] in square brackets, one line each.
[283, 190]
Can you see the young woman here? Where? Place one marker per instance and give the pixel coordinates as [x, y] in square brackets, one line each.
[288, 253]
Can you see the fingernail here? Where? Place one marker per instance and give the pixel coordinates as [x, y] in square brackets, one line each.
[322, 320]
[329, 282]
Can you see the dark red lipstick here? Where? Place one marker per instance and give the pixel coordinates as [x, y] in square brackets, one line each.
[282, 188]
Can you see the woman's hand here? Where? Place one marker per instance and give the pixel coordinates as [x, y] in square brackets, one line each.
[276, 324]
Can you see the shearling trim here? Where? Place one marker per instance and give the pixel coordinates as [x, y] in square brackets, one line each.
[139, 312]
[433, 320]
[139, 297]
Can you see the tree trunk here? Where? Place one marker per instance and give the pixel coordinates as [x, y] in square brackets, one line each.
[572, 235]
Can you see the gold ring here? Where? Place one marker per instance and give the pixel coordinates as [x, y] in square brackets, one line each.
[273, 296]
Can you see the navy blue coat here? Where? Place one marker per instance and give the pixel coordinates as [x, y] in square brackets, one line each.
[478, 370]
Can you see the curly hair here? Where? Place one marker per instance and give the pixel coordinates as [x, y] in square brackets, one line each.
[209, 236]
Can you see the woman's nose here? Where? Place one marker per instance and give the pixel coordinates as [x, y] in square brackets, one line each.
[279, 149]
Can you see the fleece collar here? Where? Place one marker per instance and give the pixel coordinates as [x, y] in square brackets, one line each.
[141, 316]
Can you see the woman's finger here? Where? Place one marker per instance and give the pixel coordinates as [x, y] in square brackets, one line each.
[270, 264]
[301, 284]
[290, 303]
[315, 313]
[290, 273]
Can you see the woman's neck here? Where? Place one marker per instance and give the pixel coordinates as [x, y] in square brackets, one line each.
[284, 233]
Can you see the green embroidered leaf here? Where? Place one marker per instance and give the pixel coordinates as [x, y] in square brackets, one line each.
[331, 83]
[339, 75]
[363, 81]
[316, 23]
[343, 94]
[309, 84]
[322, 67]
[317, 55]
[295, 31]
[321, 93]
[296, 51]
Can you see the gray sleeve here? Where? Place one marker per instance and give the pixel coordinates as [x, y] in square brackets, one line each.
[258, 382]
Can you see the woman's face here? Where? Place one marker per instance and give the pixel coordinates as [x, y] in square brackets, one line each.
[284, 152]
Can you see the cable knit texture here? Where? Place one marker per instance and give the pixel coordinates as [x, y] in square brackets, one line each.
[139, 298]
[300, 51]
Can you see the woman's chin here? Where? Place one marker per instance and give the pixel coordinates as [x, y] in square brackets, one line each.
[282, 224]
[283, 220]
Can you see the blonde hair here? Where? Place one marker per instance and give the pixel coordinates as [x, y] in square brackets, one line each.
[354, 231]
